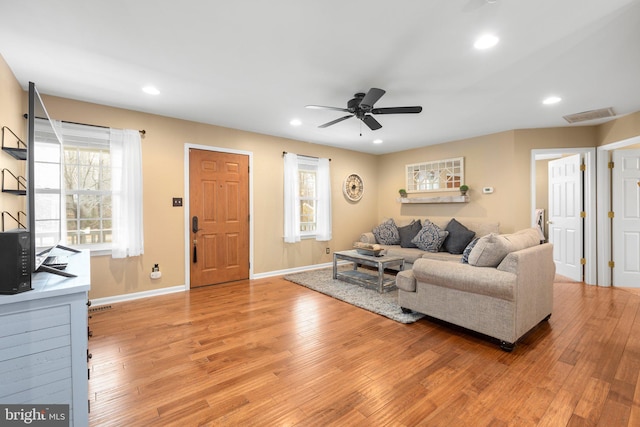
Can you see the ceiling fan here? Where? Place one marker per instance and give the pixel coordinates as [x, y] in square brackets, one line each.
[361, 107]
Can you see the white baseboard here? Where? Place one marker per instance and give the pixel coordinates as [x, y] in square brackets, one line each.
[136, 295]
[296, 269]
[182, 288]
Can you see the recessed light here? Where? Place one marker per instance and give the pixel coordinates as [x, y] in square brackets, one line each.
[295, 122]
[151, 90]
[486, 41]
[552, 100]
[377, 141]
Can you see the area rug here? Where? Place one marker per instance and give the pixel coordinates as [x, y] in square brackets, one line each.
[384, 304]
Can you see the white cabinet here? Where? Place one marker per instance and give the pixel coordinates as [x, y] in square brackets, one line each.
[43, 342]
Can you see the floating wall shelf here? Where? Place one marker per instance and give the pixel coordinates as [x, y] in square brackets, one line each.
[436, 199]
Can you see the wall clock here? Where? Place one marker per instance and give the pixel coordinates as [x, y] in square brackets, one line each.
[353, 187]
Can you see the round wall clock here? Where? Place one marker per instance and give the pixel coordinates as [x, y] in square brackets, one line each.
[353, 187]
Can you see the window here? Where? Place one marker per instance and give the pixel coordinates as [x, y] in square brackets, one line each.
[87, 184]
[307, 198]
[307, 175]
[98, 176]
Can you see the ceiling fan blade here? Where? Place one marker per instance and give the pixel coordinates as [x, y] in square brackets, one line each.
[396, 110]
[322, 107]
[371, 98]
[333, 122]
[371, 122]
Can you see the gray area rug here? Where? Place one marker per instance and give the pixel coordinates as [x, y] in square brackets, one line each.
[384, 304]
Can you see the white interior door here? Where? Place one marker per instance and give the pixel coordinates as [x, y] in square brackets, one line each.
[565, 221]
[625, 191]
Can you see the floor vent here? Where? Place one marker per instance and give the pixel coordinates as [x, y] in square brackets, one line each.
[99, 308]
[601, 113]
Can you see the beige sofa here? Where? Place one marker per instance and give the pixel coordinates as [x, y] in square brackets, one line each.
[410, 255]
[505, 294]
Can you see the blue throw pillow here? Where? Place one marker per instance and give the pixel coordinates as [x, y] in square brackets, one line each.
[467, 251]
[430, 237]
[387, 233]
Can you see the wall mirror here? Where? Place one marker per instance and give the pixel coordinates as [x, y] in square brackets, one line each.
[439, 175]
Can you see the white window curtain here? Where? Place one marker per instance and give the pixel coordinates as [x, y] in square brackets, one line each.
[291, 194]
[323, 224]
[292, 200]
[126, 186]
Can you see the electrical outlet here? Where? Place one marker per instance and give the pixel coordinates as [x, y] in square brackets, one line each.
[177, 201]
[328, 251]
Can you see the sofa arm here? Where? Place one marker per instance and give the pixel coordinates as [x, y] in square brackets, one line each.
[368, 238]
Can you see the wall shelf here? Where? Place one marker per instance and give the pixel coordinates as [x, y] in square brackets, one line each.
[20, 151]
[436, 199]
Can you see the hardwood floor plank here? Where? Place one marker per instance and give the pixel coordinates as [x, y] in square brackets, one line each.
[269, 352]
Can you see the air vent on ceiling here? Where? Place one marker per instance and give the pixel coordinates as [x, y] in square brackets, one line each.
[601, 113]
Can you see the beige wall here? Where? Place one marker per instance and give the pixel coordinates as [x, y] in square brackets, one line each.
[163, 175]
[12, 108]
[501, 161]
[618, 130]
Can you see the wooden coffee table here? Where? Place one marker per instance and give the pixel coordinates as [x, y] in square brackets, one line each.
[362, 278]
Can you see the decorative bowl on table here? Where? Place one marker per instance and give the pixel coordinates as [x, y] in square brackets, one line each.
[368, 249]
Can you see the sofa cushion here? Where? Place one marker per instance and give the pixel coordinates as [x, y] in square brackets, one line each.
[410, 255]
[387, 233]
[458, 238]
[430, 237]
[490, 250]
[408, 232]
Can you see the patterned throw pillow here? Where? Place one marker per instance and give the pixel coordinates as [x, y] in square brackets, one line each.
[387, 233]
[467, 251]
[430, 237]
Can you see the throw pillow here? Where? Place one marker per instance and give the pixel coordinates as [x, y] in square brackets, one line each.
[408, 232]
[458, 238]
[430, 237]
[387, 233]
[467, 251]
[489, 251]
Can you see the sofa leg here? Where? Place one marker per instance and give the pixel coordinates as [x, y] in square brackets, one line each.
[507, 346]
[406, 310]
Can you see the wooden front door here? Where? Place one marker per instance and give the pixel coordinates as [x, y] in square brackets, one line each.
[219, 213]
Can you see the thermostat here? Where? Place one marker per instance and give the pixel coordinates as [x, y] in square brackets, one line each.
[487, 190]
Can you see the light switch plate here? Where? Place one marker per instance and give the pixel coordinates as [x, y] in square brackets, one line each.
[177, 201]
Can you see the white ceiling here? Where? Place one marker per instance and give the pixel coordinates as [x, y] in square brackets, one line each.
[254, 65]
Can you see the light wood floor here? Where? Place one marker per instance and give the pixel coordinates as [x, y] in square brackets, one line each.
[272, 353]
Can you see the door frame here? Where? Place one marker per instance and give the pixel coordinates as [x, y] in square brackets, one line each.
[185, 204]
[604, 198]
[589, 237]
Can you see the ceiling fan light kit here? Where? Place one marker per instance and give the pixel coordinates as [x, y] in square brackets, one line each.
[361, 107]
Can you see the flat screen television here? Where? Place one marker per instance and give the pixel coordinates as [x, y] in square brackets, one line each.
[45, 203]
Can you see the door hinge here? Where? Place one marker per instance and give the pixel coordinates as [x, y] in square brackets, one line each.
[612, 264]
[611, 214]
[610, 165]
[583, 214]
[583, 261]
[583, 167]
